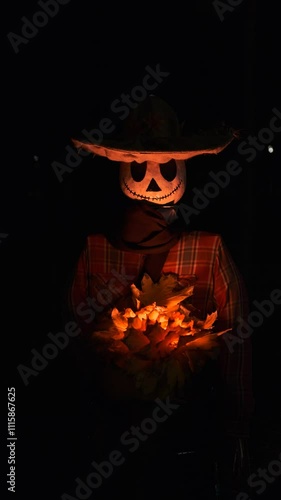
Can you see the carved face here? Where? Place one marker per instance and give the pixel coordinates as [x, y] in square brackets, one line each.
[163, 184]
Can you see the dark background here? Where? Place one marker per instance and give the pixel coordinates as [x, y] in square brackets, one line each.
[65, 79]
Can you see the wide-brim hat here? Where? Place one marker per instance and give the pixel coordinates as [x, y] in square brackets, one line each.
[152, 132]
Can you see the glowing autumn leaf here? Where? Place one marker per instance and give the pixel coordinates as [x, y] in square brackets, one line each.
[209, 321]
[163, 292]
[120, 320]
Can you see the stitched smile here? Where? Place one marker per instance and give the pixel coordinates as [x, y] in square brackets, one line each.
[151, 198]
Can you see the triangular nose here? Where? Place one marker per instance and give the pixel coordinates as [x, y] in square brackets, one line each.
[153, 186]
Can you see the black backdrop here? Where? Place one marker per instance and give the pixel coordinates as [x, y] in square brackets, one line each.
[65, 78]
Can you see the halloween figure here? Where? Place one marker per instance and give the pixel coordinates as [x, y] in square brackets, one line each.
[160, 309]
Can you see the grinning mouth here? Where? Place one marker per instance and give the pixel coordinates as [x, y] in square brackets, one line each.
[152, 198]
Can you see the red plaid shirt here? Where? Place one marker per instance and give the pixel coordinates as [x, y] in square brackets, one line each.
[104, 274]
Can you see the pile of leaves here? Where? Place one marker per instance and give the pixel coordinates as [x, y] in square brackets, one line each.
[158, 340]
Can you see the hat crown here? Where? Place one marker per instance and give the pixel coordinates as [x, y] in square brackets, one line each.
[152, 119]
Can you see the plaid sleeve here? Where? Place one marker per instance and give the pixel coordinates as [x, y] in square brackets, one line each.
[102, 275]
[236, 353]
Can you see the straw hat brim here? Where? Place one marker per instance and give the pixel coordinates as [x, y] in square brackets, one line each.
[181, 149]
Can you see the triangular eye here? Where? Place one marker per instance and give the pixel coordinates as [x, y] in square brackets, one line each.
[169, 170]
[138, 171]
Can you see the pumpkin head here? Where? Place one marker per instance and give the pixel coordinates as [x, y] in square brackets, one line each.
[159, 183]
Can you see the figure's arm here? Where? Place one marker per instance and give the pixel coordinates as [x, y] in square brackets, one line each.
[236, 347]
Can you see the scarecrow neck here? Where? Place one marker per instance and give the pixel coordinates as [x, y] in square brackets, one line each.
[169, 213]
[145, 228]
